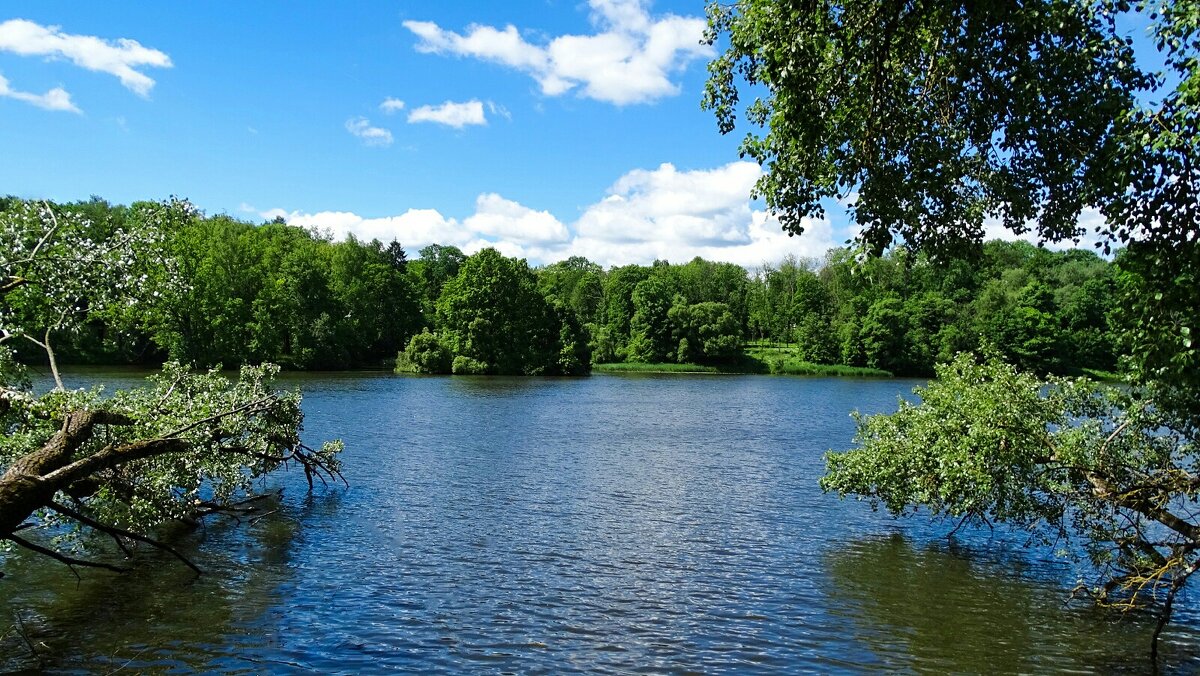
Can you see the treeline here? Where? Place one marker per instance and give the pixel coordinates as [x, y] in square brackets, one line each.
[1044, 311]
[245, 293]
[237, 293]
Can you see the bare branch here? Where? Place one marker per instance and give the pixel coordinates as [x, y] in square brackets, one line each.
[69, 561]
[115, 531]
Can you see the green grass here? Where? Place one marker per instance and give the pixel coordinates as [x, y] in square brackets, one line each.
[757, 360]
[786, 360]
[797, 367]
[1102, 376]
[635, 367]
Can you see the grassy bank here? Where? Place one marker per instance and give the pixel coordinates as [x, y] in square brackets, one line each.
[634, 367]
[767, 362]
[1102, 376]
[798, 367]
[787, 360]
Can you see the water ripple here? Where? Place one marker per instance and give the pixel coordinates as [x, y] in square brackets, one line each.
[610, 524]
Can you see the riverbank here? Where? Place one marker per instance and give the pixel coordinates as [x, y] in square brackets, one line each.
[749, 364]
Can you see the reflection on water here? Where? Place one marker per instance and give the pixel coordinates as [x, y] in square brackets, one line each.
[940, 608]
[560, 525]
[159, 615]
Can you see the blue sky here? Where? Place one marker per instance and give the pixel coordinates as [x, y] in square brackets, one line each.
[545, 128]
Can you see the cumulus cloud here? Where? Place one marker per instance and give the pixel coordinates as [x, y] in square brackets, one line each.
[55, 99]
[121, 57]
[391, 105]
[629, 59]
[497, 222]
[451, 114]
[1090, 221]
[661, 213]
[371, 136]
[414, 228]
[502, 219]
[675, 215]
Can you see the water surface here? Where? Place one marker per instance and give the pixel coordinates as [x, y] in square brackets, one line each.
[612, 523]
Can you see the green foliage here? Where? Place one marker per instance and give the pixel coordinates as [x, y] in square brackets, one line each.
[602, 344]
[882, 334]
[425, 353]
[705, 332]
[184, 445]
[619, 285]
[279, 293]
[924, 112]
[1063, 459]
[239, 293]
[1159, 320]
[664, 367]
[59, 272]
[574, 348]
[493, 316]
[466, 366]
[650, 328]
[437, 265]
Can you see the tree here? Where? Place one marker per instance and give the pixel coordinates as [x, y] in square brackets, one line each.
[1071, 458]
[882, 334]
[703, 332]
[184, 446]
[437, 265]
[619, 308]
[425, 354]
[650, 328]
[811, 309]
[937, 116]
[493, 317]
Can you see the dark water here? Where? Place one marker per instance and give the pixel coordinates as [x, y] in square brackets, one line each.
[612, 524]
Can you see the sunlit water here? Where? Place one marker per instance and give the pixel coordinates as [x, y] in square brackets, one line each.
[611, 524]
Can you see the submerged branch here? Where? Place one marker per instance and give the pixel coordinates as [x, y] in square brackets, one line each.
[121, 532]
[69, 561]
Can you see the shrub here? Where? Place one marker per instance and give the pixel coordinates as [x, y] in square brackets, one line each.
[425, 354]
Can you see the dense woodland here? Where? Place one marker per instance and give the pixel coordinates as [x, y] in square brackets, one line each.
[272, 292]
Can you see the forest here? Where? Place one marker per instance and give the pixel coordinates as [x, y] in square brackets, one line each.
[244, 293]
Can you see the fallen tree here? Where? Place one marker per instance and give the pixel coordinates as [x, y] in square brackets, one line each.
[184, 446]
[1086, 468]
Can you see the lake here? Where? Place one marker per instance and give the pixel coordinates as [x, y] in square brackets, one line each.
[631, 524]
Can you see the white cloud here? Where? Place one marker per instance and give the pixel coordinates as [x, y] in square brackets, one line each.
[391, 105]
[482, 42]
[630, 59]
[1090, 220]
[676, 215]
[55, 99]
[662, 213]
[451, 114]
[504, 219]
[371, 136]
[497, 109]
[694, 206]
[414, 228]
[121, 57]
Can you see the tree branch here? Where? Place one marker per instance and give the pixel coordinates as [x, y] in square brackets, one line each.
[70, 561]
[115, 531]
